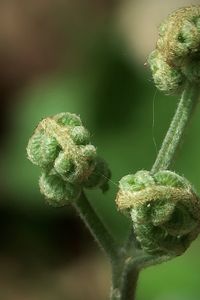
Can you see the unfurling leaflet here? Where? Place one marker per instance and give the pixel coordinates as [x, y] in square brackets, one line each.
[61, 146]
[164, 209]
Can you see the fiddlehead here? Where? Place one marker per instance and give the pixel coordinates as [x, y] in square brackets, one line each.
[176, 58]
[164, 209]
[61, 146]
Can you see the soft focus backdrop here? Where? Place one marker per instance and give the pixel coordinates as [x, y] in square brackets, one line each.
[85, 57]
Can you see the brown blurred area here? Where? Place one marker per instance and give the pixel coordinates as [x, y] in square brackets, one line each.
[83, 278]
[38, 38]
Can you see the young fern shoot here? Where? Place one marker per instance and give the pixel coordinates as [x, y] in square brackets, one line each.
[162, 206]
[61, 147]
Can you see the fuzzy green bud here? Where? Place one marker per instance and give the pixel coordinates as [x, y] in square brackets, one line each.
[177, 55]
[58, 192]
[61, 146]
[164, 209]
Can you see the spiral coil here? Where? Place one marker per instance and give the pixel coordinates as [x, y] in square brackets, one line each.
[61, 146]
[164, 209]
[176, 58]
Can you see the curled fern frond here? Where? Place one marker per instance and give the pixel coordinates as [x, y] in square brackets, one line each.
[164, 209]
[176, 58]
[61, 146]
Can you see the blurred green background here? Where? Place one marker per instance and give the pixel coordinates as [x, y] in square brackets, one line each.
[85, 57]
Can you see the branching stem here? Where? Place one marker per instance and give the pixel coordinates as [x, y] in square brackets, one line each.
[125, 270]
[131, 268]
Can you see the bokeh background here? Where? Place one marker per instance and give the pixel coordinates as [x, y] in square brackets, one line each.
[85, 57]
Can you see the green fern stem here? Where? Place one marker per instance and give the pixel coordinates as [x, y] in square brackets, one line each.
[96, 227]
[177, 128]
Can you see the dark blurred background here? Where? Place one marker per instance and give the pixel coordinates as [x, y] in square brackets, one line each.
[85, 57]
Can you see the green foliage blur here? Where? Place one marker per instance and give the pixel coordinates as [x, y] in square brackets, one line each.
[127, 118]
